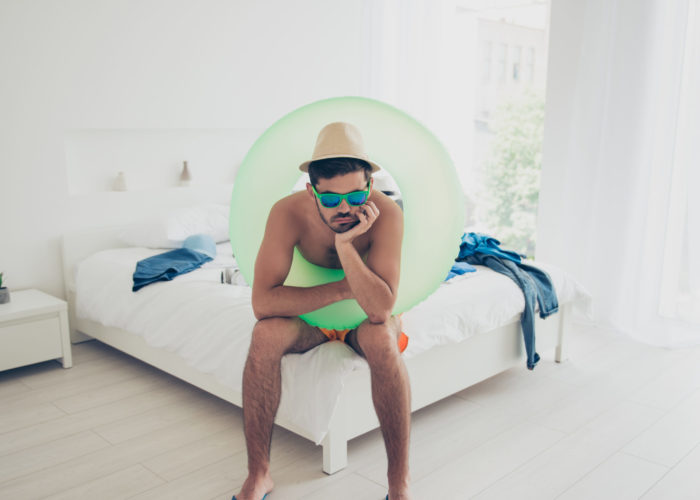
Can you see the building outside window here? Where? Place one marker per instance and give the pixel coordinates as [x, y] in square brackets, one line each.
[529, 67]
[501, 49]
[515, 53]
[486, 56]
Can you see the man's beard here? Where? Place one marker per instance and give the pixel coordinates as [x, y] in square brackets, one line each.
[344, 227]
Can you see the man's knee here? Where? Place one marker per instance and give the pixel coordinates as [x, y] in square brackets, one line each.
[378, 338]
[273, 336]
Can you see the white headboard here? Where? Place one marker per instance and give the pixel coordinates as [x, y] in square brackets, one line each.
[77, 246]
[81, 244]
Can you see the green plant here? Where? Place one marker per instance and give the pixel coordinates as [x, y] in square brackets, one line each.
[0, 280]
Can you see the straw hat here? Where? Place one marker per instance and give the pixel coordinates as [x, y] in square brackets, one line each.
[339, 140]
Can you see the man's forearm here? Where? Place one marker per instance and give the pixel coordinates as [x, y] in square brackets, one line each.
[291, 301]
[372, 293]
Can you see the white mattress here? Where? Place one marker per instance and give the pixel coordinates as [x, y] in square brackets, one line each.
[209, 324]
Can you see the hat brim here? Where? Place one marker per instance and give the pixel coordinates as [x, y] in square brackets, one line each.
[304, 167]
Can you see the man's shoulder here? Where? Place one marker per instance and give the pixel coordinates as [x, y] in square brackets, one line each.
[287, 212]
[288, 206]
[389, 208]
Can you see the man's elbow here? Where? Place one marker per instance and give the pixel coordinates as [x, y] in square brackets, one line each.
[258, 310]
[378, 319]
[381, 314]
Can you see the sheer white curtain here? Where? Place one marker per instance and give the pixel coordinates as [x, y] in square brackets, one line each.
[411, 52]
[618, 201]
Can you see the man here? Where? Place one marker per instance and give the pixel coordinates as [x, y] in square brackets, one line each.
[338, 222]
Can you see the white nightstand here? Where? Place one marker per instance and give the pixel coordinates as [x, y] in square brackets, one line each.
[33, 328]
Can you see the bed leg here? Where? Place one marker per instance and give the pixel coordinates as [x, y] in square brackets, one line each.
[335, 452]
[560, 353]
[75, 335]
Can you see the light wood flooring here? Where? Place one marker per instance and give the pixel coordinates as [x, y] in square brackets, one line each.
[618, 420]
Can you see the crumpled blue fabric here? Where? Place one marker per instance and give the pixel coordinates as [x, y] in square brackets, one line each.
[166, 266]
[201, 243]
[536, 285]
[483, 243]
[459, 268]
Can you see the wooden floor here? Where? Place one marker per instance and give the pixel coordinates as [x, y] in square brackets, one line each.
[618, 420]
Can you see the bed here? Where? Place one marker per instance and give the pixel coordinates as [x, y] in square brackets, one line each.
[465, 332]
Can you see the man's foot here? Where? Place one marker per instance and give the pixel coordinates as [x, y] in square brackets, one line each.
[405, 496]
[255, 488]
[399, 493]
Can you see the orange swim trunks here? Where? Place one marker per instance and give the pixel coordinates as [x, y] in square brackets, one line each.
[340, 335]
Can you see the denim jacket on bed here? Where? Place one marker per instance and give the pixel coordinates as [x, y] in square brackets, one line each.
[483, 243]
[535, 284]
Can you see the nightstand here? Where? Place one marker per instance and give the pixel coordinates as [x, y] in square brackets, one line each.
[33, 328]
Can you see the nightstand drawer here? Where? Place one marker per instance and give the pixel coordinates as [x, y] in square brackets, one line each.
[26, 342]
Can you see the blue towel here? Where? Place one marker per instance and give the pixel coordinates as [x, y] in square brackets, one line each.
[165, 266]
[459, 268]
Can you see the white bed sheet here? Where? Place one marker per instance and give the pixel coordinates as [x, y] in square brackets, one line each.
[209, 324]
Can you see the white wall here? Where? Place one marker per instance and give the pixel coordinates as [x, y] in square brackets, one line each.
[92, 70]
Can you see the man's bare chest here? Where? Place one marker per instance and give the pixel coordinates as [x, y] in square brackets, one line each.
[323, 252]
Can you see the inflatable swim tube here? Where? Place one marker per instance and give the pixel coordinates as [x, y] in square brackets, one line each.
[431, 192]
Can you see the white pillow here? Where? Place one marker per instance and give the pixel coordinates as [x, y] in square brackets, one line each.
[154, 235]
[210, 219]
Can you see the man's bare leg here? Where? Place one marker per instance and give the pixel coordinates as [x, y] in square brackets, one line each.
[391, 394]
[272, 338]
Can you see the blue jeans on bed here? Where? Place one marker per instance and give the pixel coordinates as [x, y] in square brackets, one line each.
[536, 286]
[166, 266]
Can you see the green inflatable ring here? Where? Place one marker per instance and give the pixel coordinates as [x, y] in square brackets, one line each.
[415, 158]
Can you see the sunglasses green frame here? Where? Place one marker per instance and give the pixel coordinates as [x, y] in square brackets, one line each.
[340, 197]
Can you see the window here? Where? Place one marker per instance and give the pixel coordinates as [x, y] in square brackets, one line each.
[501, 62]
[515, 61]
[529, 67]
[501, 175]
[465, 74]
[486, 48]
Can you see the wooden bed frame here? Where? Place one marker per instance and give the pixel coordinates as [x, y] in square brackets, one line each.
[434, 374]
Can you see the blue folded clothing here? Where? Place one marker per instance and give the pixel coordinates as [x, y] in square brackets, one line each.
[165, 266]
[459, 268]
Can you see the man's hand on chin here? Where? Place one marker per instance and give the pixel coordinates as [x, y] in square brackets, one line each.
[367, 216]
